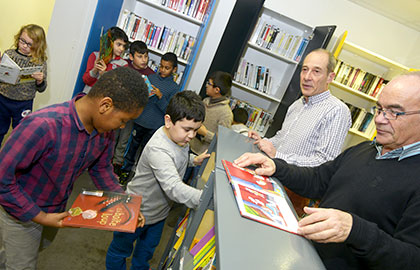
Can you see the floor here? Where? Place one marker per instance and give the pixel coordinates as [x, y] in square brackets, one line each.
[78, 248]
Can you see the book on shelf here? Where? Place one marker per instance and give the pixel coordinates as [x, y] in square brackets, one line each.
[260, 198]
[255, 76]
[204, 249]
[258, 119]
[104, 211]
[194, 8]
[158, 37]
[12, 73]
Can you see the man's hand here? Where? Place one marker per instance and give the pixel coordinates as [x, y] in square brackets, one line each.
[254, 135]
[266, 164]
[325, 225]
[200, 158]
[202, 131]
[267, 147]
[50, 219]
[157, 92]
[141, 220]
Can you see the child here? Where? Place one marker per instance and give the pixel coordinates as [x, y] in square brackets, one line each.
[240, 117]
[158, 178]
[218, 111]
[49, 149]
[95, 66]
[16, 101]
[139, 57]
[152, 117]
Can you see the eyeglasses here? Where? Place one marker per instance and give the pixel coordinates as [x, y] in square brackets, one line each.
[390, 114]
[212, 85]
[24, 42]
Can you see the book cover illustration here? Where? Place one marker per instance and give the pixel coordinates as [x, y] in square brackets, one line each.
[149, 85]
[12, 73]
[260, 198]
[106, 45]
[104, 211]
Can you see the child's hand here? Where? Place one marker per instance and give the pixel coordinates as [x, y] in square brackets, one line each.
[38, 76]
[50, 219]
[200, 158]
[202, 131]
[141, 220]
[99, 67]
[157, 92]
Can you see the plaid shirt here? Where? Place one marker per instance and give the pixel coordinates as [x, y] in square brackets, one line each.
[43, 157]
[313, 132]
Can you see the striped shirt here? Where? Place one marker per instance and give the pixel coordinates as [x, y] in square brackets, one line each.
[400, 153]
[313, 132]
[43, 157]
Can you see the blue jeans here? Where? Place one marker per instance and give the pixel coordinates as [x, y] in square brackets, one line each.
[12, 111]
[121, 247]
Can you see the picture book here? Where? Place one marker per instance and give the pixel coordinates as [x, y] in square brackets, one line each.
[106, 45]
[260, 198]
[11, 73]
[104, 211]
[149, 85]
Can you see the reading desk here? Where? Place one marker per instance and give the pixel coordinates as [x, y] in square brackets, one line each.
[245, 244]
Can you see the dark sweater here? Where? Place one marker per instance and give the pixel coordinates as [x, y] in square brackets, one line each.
[153, 113]
[383, 196]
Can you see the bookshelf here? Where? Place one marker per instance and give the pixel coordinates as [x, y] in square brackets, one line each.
[167, 26]
[360, 76]
[269, 60]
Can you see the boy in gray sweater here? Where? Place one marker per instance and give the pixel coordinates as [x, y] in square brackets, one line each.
[158, 178]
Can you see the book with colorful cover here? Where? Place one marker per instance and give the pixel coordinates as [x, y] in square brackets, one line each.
[12, 73]
[260, 198]
[149, 85]
[105, 211]
[106, 45]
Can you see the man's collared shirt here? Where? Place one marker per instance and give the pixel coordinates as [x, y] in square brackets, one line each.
[399, 153]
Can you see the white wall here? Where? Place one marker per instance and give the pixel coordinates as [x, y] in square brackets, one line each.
[365, 28]
[68, 32]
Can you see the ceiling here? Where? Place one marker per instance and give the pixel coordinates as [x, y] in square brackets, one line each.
[406, 12]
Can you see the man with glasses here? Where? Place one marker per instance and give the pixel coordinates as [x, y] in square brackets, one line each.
[369, 215]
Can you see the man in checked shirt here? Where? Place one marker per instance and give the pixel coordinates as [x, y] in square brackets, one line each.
[46, 153]
[316, 124]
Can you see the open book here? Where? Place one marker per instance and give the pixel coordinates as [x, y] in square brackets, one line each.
[260, 198]
[11, 73]
[104, 211]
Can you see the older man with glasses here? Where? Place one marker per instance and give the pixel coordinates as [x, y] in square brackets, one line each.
[369, 215]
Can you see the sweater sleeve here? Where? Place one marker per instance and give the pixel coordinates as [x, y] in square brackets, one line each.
[89, 77]
[42, 86]
[170, 181]
[381, 250]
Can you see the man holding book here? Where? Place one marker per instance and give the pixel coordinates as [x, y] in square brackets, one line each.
[370, 194]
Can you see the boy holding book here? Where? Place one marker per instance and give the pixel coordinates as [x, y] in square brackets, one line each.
[139, 57]
[152, 117]
[158, 178]
[46, 153]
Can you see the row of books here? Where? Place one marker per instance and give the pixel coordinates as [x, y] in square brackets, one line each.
[254, 76]
[194, 8]
[358, 79]
[362, 120]
[273, 38]
[258, 119]
[204, 252]
[162, 38]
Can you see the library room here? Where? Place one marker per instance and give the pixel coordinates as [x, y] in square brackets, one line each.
[210, 134]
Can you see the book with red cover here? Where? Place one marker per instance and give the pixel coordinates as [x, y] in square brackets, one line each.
[260, 198]
[105, 211]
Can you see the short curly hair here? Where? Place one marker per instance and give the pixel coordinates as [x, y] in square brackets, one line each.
[125, 86]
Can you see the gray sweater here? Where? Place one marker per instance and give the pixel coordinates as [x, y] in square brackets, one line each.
[158, 178]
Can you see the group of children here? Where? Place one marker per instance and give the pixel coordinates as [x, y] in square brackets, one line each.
[50, 148]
